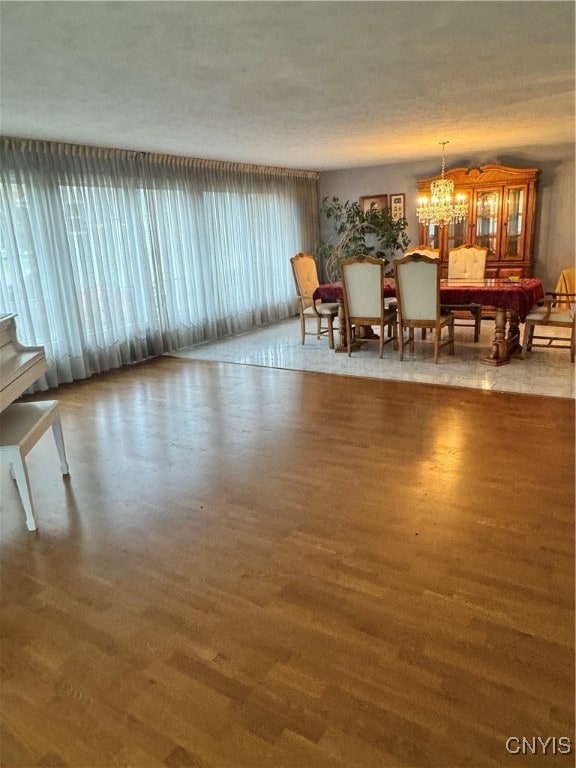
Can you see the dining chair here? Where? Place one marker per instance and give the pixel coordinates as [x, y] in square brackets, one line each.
[418, 293]
[556, 310]
[468, 262]
[306, 278]
[364, 304]
[434, 253]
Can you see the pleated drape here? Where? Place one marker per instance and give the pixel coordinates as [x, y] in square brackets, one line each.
[110, 257]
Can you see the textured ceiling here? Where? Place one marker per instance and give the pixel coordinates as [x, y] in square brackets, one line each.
[312, 85]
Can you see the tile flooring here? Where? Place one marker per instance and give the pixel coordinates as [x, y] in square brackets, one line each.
[545, 372]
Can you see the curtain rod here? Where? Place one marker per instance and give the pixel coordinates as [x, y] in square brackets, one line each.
[43, 145]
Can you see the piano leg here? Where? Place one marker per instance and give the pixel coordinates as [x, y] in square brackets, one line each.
[20, 475]
[59, 439]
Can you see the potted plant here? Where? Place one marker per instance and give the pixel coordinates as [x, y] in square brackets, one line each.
[352, 227]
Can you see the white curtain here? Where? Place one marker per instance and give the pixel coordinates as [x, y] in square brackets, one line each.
[109, 256]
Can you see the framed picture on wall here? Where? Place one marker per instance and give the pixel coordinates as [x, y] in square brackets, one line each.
[397, 205]
[378, 202]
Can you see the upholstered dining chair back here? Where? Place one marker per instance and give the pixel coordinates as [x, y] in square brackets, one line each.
[418, 294]
[362, 282]
[424, 250]
[306, 277]
[467, 261]
[417, 288]
[363, 295]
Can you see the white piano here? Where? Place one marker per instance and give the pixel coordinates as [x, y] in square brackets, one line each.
[22, 424]
[20, 366]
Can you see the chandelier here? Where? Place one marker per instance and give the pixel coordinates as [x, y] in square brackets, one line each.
[440, 209]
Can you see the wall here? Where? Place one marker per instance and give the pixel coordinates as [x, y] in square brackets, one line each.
[554, 236]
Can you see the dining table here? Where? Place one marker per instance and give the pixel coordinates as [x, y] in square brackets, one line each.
[511, 299]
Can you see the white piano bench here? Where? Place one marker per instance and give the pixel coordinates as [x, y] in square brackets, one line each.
[21, 426]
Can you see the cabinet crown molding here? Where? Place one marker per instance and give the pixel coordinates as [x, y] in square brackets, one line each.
[486, 174]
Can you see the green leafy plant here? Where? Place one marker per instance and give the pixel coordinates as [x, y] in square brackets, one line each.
[356, 232]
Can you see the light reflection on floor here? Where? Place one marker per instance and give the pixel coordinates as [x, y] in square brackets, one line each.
[547, 371]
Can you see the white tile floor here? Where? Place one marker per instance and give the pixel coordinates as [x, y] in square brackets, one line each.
[544, 372]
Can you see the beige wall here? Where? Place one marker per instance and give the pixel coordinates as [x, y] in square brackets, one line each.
[555, 234]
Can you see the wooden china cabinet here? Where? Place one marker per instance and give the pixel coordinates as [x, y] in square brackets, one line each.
[501, 204]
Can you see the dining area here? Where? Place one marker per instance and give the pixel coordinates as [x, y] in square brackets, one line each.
[370, 306]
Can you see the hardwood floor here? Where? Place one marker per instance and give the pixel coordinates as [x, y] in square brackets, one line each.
[259, 567]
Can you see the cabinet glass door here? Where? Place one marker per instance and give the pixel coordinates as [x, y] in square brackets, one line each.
[431, 236]
[487, 205]
[458, 234]
[514, 225]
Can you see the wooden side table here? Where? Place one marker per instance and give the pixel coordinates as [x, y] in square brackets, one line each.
[21, 426]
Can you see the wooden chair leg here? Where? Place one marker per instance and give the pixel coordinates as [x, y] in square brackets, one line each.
[525, 341]
[529, 329]
[330, 332]
[393, 326]
[302, 327]
[477, 320]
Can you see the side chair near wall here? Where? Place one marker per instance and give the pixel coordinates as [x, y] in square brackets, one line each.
[306, 278]
[418, 295]
[468, 262]
[557, 310]
[362, 279]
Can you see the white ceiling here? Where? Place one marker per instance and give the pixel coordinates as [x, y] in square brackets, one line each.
[311, 85]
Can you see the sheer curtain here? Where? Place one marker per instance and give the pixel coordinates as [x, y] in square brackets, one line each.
[109, 257]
